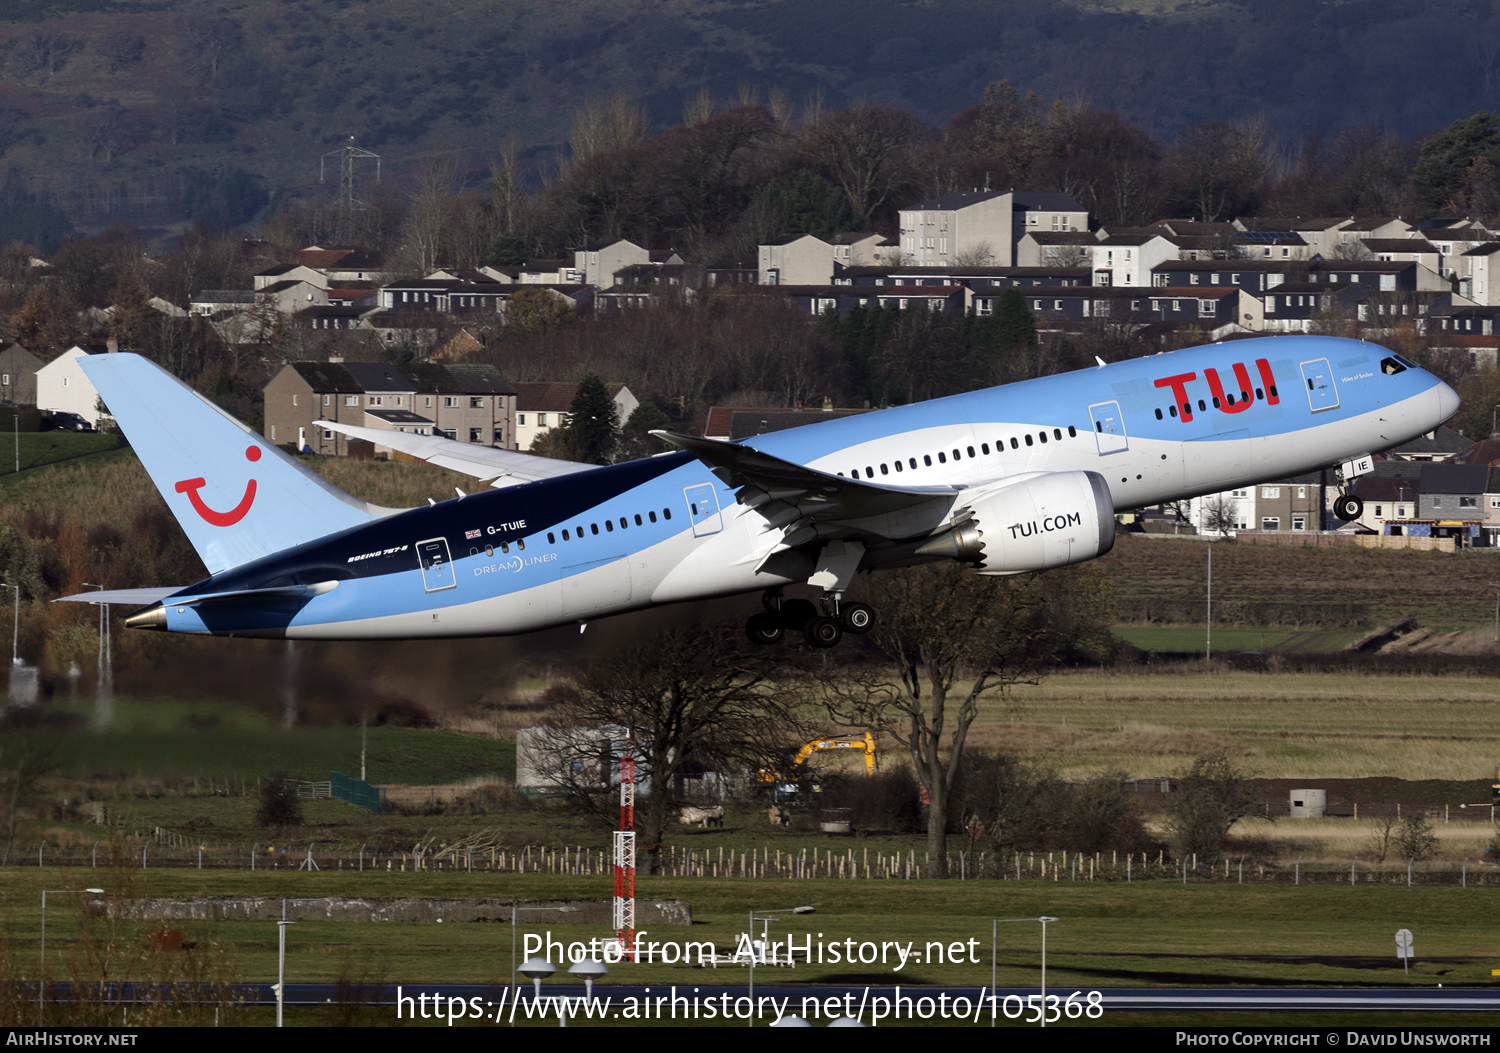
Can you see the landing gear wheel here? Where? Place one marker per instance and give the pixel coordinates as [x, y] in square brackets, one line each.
[797, 613]
[1348, 508]
[822, 632]
[857, 618]
[765, 628]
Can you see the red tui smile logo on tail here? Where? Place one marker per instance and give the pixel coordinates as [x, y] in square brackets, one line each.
[235, 514]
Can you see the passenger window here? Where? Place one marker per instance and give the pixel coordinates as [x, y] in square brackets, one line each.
[624, 522]
[898, 466]
[1072, 432]
[942, 457]
[521, 544]
[913, 463]
[854, 472]
[971, 451]
[869, 472]
[1172, 409]
[927, 459]
[566, 537]
[638, 520]
[593, 528]
[653, 517]
[1158, 414]
[505, 547]
[667, 512]
[1201, 405]
[609, 525]
[1029, 442]
[984, 448]
[1014, 445]
[884, 470]
[1042, 435]
[551, 538]
[1057, 432]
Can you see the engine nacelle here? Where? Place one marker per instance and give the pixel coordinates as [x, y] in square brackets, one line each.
[1046, 521]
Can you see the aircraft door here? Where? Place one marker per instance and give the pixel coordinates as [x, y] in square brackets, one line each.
[703, 509]
[1109, 427]
[437, 565]
[1321, 392]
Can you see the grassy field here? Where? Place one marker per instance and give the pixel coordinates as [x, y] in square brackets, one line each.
[1301, 725]
[1153, 933]
[1182, 639]
[1168, 579]
[41, 448]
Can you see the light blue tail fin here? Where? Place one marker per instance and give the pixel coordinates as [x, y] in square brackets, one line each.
[236, 495]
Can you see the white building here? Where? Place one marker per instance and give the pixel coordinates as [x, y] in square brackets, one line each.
[62, 387]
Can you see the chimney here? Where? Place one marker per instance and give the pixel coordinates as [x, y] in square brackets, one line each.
[336, 358]
[113, 345]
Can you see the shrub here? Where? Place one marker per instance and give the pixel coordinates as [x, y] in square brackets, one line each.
[279, 803]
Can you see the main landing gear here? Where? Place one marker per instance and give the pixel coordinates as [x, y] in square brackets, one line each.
[823, 627]
[1348, 508]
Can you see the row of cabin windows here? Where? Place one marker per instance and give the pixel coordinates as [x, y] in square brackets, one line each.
[1187, 407]
[942, 456]
[609, 526]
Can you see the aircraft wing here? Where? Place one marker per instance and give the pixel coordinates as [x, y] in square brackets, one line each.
[500, 467]
[766, 480]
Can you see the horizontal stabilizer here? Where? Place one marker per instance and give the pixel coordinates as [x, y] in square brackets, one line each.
[132, 597]
[155, 616]
[501, 467]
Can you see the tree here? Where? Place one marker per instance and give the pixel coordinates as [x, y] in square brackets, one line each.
[1210, 798]
[593, 422]
[864, 150]
[1415, 838]
[279, 803]
[1216, 168]
[689, 700]
[951, 637]
[1219, 516]
[1446, 157]
[1015, 325]
[636, 440]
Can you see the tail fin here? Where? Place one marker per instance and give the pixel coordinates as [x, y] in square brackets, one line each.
[236, 495]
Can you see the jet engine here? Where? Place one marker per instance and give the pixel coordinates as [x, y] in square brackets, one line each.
[1048, 520]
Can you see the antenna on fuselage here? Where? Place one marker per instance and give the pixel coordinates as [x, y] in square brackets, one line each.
[1100, 361]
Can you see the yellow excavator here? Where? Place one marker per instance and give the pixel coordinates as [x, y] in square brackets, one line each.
[864, 742]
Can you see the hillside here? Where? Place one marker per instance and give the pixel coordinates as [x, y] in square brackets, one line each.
[155, 111]
[1163, 581]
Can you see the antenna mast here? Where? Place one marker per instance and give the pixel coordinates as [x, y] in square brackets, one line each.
[349, 199]
[625, 855]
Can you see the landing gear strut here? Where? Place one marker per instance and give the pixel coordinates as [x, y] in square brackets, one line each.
[823, 628]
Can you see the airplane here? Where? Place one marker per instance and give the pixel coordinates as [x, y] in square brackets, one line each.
[1018, 478]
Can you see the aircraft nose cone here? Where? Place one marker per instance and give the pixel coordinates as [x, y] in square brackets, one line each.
[1447, 401]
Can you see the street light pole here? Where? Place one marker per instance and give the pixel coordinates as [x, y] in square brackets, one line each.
[41, 1007]
[15, 633]
[995, 924]
[104, 690]
[765, 915]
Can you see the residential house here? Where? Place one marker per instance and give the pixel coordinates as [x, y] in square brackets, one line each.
[540, 407]
[18, 368]
[979, 227]
[796, 259]
[62, 386]
[467, 402]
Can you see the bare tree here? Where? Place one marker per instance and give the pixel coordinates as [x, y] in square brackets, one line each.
[952, 637]
[864, 150]
[1219, 516]
[1211, 796]
[689, 700]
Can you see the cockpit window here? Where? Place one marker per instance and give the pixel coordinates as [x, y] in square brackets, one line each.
[1393, 365]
